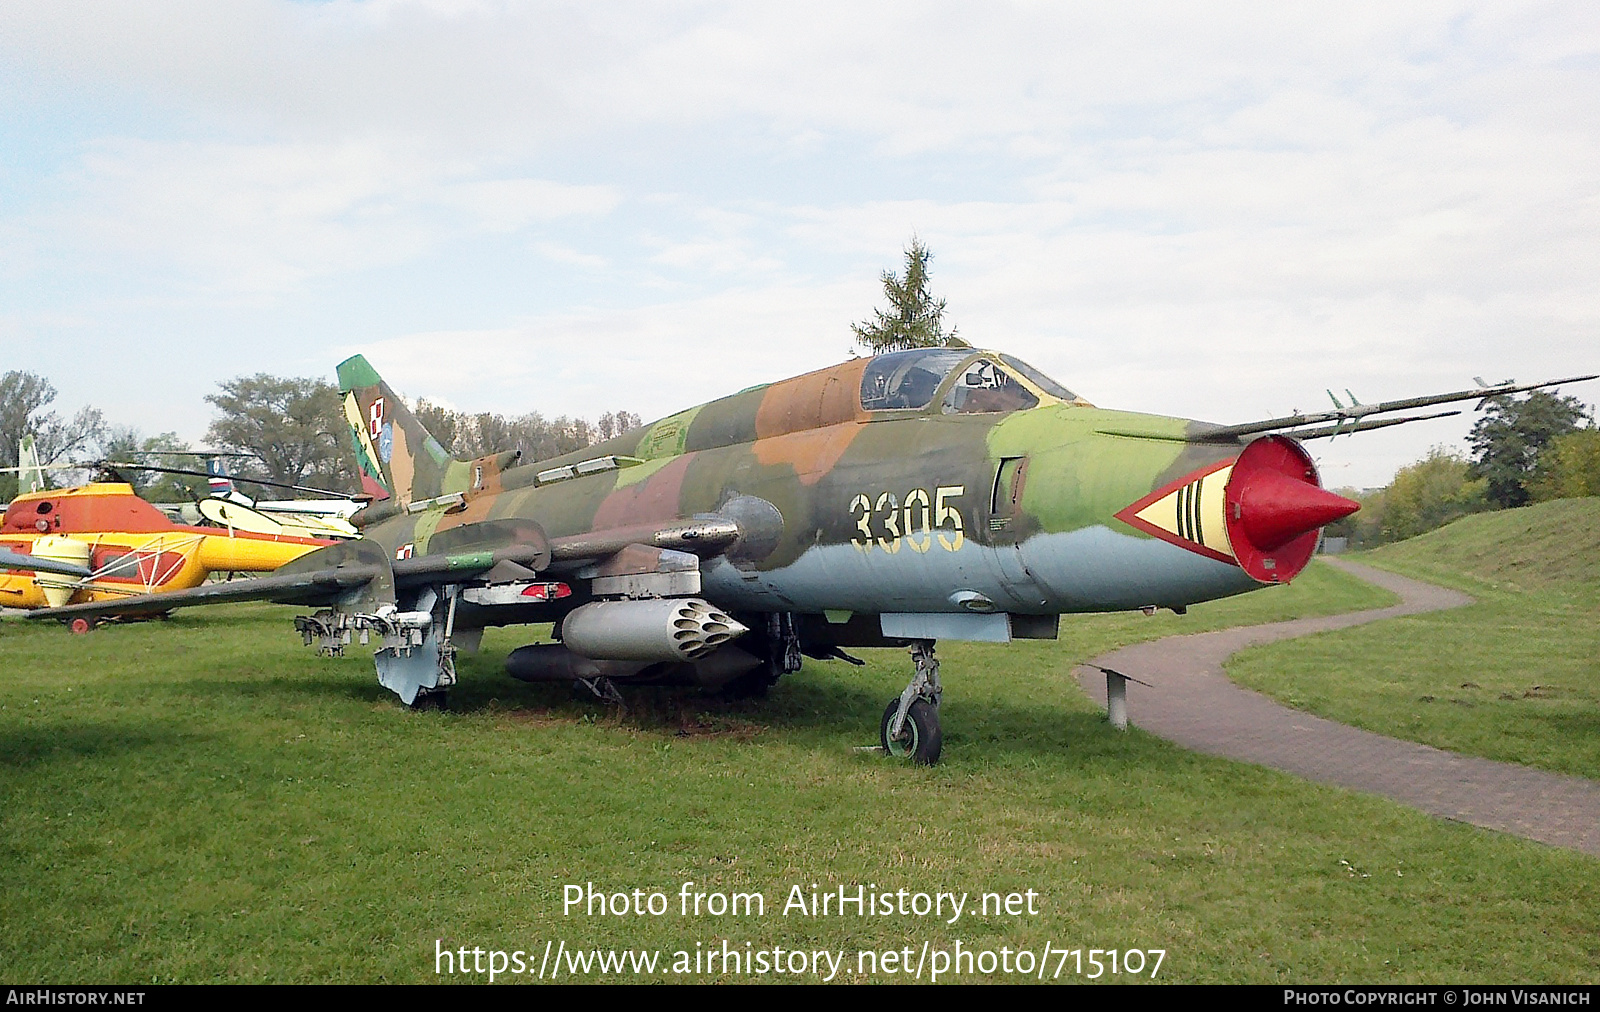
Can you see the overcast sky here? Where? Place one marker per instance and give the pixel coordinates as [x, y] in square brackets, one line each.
[571, 208]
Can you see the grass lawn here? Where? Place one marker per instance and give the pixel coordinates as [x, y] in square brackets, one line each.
[1515, 676]
[205, 800]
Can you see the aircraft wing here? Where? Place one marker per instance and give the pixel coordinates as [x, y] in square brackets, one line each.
[14, 560]
[362, 568]
[352, 568]
[457, 554]
[704, 536]
[1349, 418]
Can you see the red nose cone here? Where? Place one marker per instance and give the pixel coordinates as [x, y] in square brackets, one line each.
[1276, 508]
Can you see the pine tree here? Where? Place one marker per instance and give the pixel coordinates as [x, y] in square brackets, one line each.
[915, 319]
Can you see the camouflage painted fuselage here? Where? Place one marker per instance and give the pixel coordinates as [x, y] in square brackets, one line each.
[845, 509]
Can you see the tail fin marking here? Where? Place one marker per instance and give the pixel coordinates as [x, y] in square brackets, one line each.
[396, 454]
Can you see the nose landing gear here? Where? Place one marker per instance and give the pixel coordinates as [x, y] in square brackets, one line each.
[910, 727]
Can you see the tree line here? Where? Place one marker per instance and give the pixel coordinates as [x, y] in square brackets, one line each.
[293, 428]
[467, 435]
[1523, 450]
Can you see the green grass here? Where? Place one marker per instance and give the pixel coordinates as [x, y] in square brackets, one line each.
[1551, 545]
[1515, 676]
[204, 800]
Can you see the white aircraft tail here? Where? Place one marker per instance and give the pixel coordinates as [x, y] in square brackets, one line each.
[30, 476]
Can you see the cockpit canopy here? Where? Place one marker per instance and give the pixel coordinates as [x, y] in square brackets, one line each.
[987, 382]
[956, 382]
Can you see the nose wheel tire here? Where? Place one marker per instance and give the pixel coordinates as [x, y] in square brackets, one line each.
[920, 738]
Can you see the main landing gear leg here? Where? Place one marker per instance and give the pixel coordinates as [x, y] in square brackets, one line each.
[910, 727]
[431, 699]
[605, 690]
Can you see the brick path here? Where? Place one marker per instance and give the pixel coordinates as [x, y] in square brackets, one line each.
[1195, 705]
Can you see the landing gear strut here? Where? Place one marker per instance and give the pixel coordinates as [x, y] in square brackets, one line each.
[775, 640]
[431, 699]
[910, 727]
[605, 690]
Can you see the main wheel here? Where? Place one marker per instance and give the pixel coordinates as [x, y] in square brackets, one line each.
[80, 625]
[434, 699]
[750, 685]
[920, 737]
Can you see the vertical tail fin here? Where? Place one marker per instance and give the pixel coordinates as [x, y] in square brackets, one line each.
[218, 481]
[396, 456]
[30, 476]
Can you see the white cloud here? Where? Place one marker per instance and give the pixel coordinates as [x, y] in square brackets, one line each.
[572, 257]
[247, 219]
[653, 360]
[916, 77]
[506, 205]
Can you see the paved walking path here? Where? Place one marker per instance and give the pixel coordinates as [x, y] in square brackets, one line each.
[1194, 704]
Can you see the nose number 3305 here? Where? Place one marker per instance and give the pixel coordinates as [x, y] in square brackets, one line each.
[915, 521]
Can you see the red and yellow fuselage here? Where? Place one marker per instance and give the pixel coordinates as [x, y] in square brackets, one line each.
[129, 545]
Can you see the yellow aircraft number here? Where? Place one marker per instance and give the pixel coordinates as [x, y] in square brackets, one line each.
[888, 522]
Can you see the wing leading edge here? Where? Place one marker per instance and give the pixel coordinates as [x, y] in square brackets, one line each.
[358, 568]
[460, 554]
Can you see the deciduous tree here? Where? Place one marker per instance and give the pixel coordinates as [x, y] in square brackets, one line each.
[615, 423]
[23, 398]
[1568, 468]
[478, 434]
[165, 449]
[1429, 494]
[296, 426]
[1507, 440]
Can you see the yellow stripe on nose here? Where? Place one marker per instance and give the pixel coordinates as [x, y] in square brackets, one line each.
[1194, 512]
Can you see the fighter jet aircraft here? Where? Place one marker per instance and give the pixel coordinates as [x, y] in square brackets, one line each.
[895, 500]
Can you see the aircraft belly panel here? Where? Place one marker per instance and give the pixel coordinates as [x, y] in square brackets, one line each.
[1098, 569]
[1021, 592]
[1094, 569]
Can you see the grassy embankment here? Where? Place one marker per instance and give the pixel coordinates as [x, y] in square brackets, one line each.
[204, 800]
[1515, 676]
